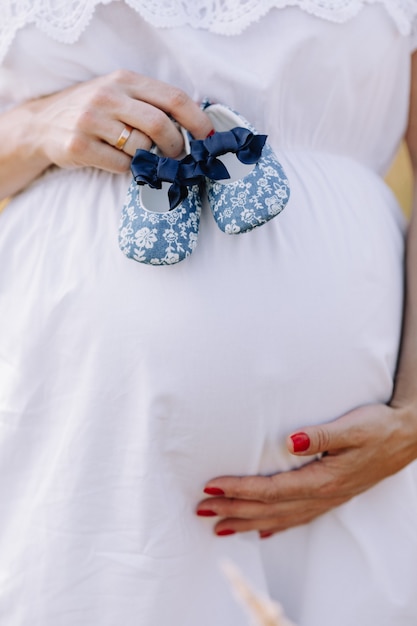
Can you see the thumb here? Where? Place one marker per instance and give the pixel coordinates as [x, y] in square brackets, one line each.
[318, 439]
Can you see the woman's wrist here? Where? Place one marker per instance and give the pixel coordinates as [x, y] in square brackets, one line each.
[34, 137]
[405, 428]
[22, 156]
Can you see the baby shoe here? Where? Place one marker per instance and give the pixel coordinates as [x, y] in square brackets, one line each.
[246, 184]
[161, 215]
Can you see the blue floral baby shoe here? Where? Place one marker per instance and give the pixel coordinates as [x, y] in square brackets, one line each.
[246, 184]
[161, 214]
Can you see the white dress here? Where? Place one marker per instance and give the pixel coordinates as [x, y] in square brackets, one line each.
[125, 387]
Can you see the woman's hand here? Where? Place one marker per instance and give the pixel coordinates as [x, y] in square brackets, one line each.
[359, 449]
[80, 126]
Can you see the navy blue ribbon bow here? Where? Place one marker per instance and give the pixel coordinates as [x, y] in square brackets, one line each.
[150, 169]
[241, 141]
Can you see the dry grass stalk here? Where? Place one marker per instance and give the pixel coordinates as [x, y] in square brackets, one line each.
[263, 610]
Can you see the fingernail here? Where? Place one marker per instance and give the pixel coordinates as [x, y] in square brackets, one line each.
[211, 133]
[301, 442]
[223, 533]
[265, 535]
[206, 513]
[214, 491]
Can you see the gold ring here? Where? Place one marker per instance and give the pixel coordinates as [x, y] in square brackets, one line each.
[124, 136]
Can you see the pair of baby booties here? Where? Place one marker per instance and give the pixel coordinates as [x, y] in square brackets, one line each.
[245, 184]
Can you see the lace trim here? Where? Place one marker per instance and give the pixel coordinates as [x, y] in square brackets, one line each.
[65, 20]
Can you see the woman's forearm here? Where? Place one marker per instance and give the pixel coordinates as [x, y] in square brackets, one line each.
[405, 391]
[21, 157]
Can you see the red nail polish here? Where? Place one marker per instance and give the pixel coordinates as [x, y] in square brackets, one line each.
[266, 535]
[206, 513]
[223, 533]
[211, 133]
[214, 491]
[301, 442]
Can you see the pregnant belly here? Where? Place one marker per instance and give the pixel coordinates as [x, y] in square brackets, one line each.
[194, 370]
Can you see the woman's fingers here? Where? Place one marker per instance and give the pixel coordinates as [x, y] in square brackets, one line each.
[155, 124]
[173, 101]
[225, 507]
[99, 154]
[363, 447]
[246, 515]
[136, 139]
[293, 485]
[243, 509]
[277, 518]
[249, 509]
[81, 125]
[155, 108]
[105, 115]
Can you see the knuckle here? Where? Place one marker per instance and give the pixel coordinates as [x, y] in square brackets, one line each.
[157, 123]
[256, 488]
[85, 120]
[228, 508]
[269, 498]
[76, 145]
[101, 98]
[177, 98]
[269, 494]
[328, 488]
[241, 489]
[236, 488]
[122, 76]
[323, 439]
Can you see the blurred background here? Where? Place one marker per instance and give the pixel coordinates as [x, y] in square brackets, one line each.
[399, 179]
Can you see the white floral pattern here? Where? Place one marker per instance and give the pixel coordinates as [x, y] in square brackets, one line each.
[65, 20]
[252, 201]
[159, 238]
